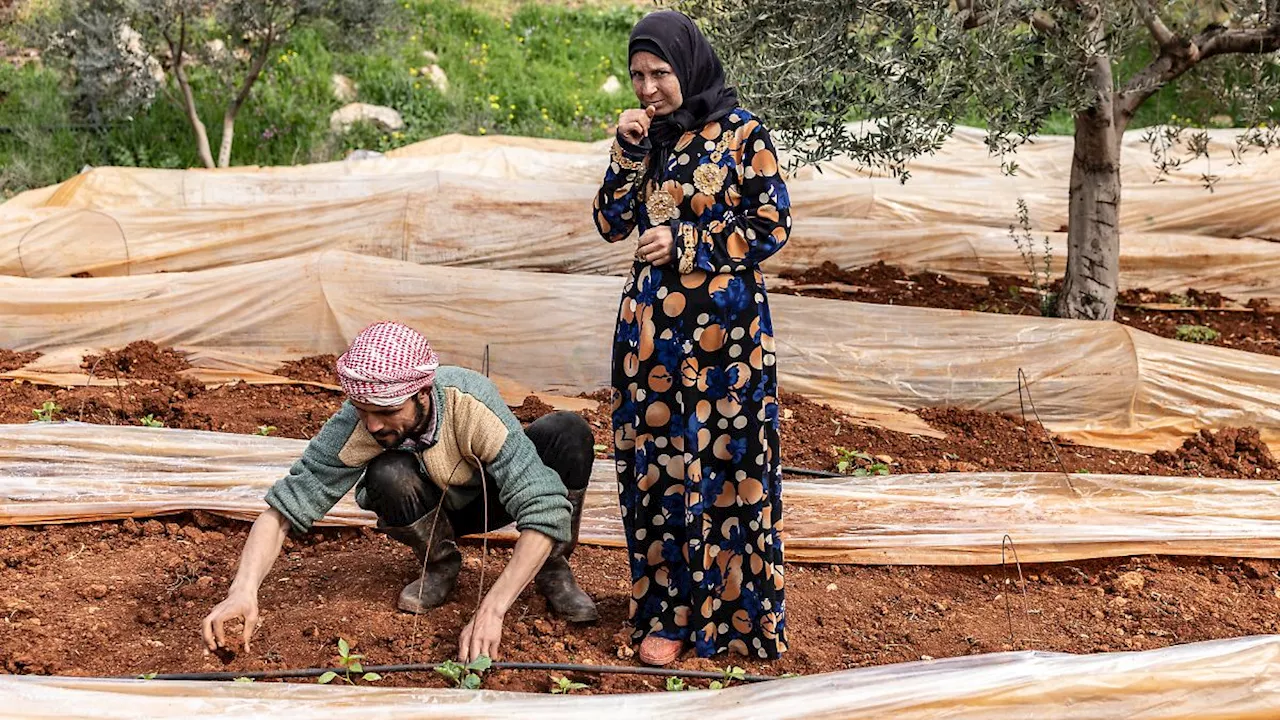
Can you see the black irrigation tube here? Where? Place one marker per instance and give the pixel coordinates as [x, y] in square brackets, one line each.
[431, 667]
[811, 473]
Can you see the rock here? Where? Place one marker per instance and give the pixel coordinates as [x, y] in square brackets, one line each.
[1130, 582]
[833, 587]
[436, 75]
[541, 627]
[1222, 121]
[362, 154]
[430, 56]
[384, 118]
[173, 529]
[1257, 569]
[151, 528]
[96, 591]
[147, 616]
[343, 88]
[216, 50]
[966, 467]
[204, 520]
[612, 85]
[131, 526]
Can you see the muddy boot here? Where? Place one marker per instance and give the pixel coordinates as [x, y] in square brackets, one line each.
[440, 553]
[555, 580]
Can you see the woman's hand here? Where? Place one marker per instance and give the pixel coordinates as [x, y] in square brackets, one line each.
[633, 124]
[655, 246]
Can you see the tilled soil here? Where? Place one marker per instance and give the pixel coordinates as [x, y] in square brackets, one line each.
[1256, 329]
[11, 360]
[126, 598]
[142, 360]
[316, 368]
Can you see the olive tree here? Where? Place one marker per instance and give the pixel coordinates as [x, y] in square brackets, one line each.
[911, 68]
[111, 42]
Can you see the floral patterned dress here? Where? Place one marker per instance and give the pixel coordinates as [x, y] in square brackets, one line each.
[695, 409]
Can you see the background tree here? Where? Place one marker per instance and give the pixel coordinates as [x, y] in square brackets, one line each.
[120, 51]
[912, 68]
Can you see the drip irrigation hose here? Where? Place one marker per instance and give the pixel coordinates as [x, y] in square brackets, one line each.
[431, 667]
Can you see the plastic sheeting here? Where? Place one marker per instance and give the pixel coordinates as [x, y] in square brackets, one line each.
[1238, 679]
[547, 228]
[74, 473]
[1103, 383]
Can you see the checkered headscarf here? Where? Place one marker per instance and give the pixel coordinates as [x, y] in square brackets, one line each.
[387, 364]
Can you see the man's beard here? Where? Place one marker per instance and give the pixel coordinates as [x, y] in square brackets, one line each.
[389, 439]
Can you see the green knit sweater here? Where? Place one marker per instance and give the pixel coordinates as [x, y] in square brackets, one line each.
[473, 435]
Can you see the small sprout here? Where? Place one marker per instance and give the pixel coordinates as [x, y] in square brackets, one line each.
[564, 686]
[848, 463]
[243, 680]
[265, 430]
[150, 421]
[675, 684]
[147, 676]
[327, 678]
[1196, 333]
[467, 677]
[350, 663]
[47, 411]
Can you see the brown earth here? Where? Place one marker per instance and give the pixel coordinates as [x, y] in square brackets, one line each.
[812, 434]
[11, 360]
[316, 368]
[141, 360]
[125, 598]
[1256, 329]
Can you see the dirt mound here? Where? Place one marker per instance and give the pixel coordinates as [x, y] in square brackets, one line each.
[141, 360]
[1257, 331]
[815, 436]
[1237, 451]
[531, 409]
[315, 368]
[12, 360]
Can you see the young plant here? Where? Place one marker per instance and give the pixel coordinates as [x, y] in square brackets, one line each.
[150, 421]
[265, 430]
[847, 463]
[675, 684]
[247, 679]
[466, 677]
[564, 686]
[1196, 333]
[47, 411]
[730, 673]
[147, 676]
[350, 663]
[1039, 264]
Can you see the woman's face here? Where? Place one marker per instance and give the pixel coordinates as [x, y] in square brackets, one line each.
[655, 83]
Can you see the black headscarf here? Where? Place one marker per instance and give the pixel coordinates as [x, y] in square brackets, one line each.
[674, 37]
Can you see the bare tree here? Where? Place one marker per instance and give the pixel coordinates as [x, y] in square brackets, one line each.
[913, 67]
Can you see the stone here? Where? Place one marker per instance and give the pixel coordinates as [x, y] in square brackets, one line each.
[97, 591]
[436, 75]
[1257, 569]
[612, 85]
[1222, 121]
[430, 56]
[216, 49]
[1130, 582]
[343, 88]
[384, 118]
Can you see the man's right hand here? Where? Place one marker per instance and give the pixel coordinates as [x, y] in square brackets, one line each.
[239, 604]
[633, 124]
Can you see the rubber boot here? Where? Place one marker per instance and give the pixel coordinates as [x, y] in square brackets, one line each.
[435, 548]
[555, 580]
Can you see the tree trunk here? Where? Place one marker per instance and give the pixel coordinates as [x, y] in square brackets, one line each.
[1092, 279]
[228, 136]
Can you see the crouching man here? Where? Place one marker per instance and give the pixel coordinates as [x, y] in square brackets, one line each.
[432, 451]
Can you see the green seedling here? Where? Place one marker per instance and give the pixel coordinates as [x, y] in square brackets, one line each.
[265, 430]
[599, 448]
[150, 421]
[243, 680]
[731, 674]
[564, 686]
[47, 411]
[847, 463]
[1196, 333]
[147, 676]
[350, 663]
[466, 677]
[675, 684]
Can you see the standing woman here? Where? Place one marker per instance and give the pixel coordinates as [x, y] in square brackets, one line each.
[695, 408]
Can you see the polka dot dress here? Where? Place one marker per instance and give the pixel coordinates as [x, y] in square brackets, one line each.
[695, 409]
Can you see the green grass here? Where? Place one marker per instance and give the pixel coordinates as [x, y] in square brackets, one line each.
[533, 69]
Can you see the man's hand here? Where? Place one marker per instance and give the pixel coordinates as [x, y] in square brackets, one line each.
[655, 246]
[633, 124]
[481, 636]
[239, 604]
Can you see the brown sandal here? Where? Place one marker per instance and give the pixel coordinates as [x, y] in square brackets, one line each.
[660, 652]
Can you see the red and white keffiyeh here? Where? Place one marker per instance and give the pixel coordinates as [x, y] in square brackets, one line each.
[387, 364]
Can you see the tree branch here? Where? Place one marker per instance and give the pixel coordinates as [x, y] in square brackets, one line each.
[1179, 56]
[972, 19]
[1165, 39]
[188, 98]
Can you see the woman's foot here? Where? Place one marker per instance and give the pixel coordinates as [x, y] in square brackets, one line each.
[660, 652]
